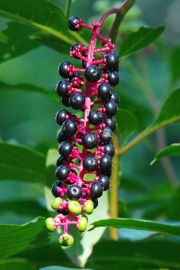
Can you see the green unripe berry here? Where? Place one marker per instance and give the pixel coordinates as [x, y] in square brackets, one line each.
[82, 224]
[74, 207]
[66, 240]
[56, 203]
[50, 224]
[89, 207]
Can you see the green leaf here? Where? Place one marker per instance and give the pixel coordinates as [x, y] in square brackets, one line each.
[41, 14]
[139, 39]
[16, 264]
[15, 238]
[27, 87]
[21, 163]
[169, 151]
[138, 224]
[18, 40]
[153, 254]
[170, 111]
[127, 123]
[174, 61]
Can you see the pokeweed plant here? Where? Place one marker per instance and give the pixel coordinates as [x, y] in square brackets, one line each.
[90, 147]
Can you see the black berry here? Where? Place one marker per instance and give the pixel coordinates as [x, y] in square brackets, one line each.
[111, 108]
[61, 116]
[61, 137]
[105, 162]
[109, 149]
[62, 172]
[92, 73]
[90, 163]
[57, 185]
[74, 192]
[95, 117]
[69, 127]
[65, 101]
[90, 140]
[106, 135]
[62, 88]
[105, 91]
[63, 69]
[110, 122]
[104, 180]
[73, 23]
[95, 201]
[77, 101]
[96, 190]
[61, 161]
[115, 97]
[65, 148]
[112, 61]
[113, 77]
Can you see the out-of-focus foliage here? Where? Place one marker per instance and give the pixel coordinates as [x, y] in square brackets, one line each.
[34, 39]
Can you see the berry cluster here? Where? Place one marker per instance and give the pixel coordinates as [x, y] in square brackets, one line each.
[86, 149]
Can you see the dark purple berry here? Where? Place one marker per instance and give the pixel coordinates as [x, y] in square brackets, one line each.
[110, 122]
[65, 148]
[106, 135]
[73, 23]
[74, 192]
[111, 108]
[106, 162]
[69, 127]
[77, 101]
[90, 163]
[61, 161]
[95, 201]
[104, 180]
[63, 72]
[92, 73]
[109, 149]
[62, 172]
[90, 140]
[57, 185]
[112, 61]
[65, 101]
[95, 117]
[105, 91]
[115, 97]
[64, 212]
[113, 77]
[62, 88]
[61, 137]
[96, 190]
[61, 116]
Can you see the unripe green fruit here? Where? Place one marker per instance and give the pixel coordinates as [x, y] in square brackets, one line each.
[50, 224]
[82, 225]
[66, 240]
[89, 207]
[74, 207]
[56, 203]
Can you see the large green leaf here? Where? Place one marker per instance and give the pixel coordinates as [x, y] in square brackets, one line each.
[127, 123]
[154, 254]
[18, 40]
[169, 151]
[27, 87]
[21, 163]
[40, 14]
[16, 264]
[138, 224]
[139, 39]
[15, 238]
